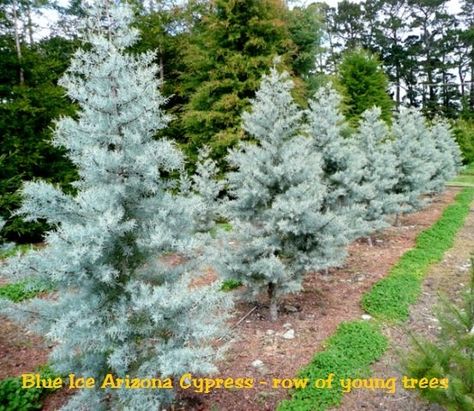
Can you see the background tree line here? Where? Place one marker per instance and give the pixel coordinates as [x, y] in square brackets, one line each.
[427, 51]
[211, 55]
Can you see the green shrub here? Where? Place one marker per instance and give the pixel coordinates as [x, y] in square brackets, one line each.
[464, 134]
[348, 354]
[22, 290]
[220, 227]
[451, 357]
[229, 285]
[364, 85]
[15, 398]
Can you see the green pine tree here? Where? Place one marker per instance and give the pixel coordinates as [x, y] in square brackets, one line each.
[365, 85]
[230, 48]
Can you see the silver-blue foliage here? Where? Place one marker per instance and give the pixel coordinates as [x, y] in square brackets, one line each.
[343, 162]
[281, 229]
[122, 306]
[449, 157]
[415, 162]
[380, 169]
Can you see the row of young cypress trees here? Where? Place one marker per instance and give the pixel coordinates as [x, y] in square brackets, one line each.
[298, 194]
[302, 191]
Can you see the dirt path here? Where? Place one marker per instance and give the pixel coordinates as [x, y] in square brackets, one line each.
[449, 277]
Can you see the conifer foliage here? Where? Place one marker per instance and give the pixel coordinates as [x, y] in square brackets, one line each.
[121, 308]
[281, 229]
[380, 170]
[416, 165]
[449, 155]
[342, 162]
[364, 84]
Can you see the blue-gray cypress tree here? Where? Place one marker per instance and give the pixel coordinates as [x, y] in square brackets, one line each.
[449, 158]
[121, 307]
[342, 162]
[380, 170]
[281, 230]
[415, 163]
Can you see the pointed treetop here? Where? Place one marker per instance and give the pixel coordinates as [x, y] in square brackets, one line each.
[372, 129]
[325, 116]
[273, 110]
[111, 20]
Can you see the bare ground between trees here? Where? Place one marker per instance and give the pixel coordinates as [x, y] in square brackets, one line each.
[313, 315]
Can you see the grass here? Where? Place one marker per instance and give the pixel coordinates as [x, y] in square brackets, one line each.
[220, 227]
[348, 354]
[390, 298]
[469, 169]
[19, 248]
[229, 285]
[465, 178]
[22, 290]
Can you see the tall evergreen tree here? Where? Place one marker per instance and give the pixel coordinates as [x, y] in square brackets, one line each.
[120, 308]
[230, 48]
[415, 164]
[364, 84]
[342, 162]
[429, 20]
[280, 227]
[380, 171]
[448, 160]
[391, 30]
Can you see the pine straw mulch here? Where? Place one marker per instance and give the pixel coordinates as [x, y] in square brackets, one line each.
[313, 314]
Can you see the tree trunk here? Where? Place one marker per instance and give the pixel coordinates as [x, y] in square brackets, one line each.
[397, 71]
[17, 42]
[30, 23]
[369, 241]
[162, 70]
[397, 222]
[461, 81]
[273, 302]
[472, 85]
[397, 93]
